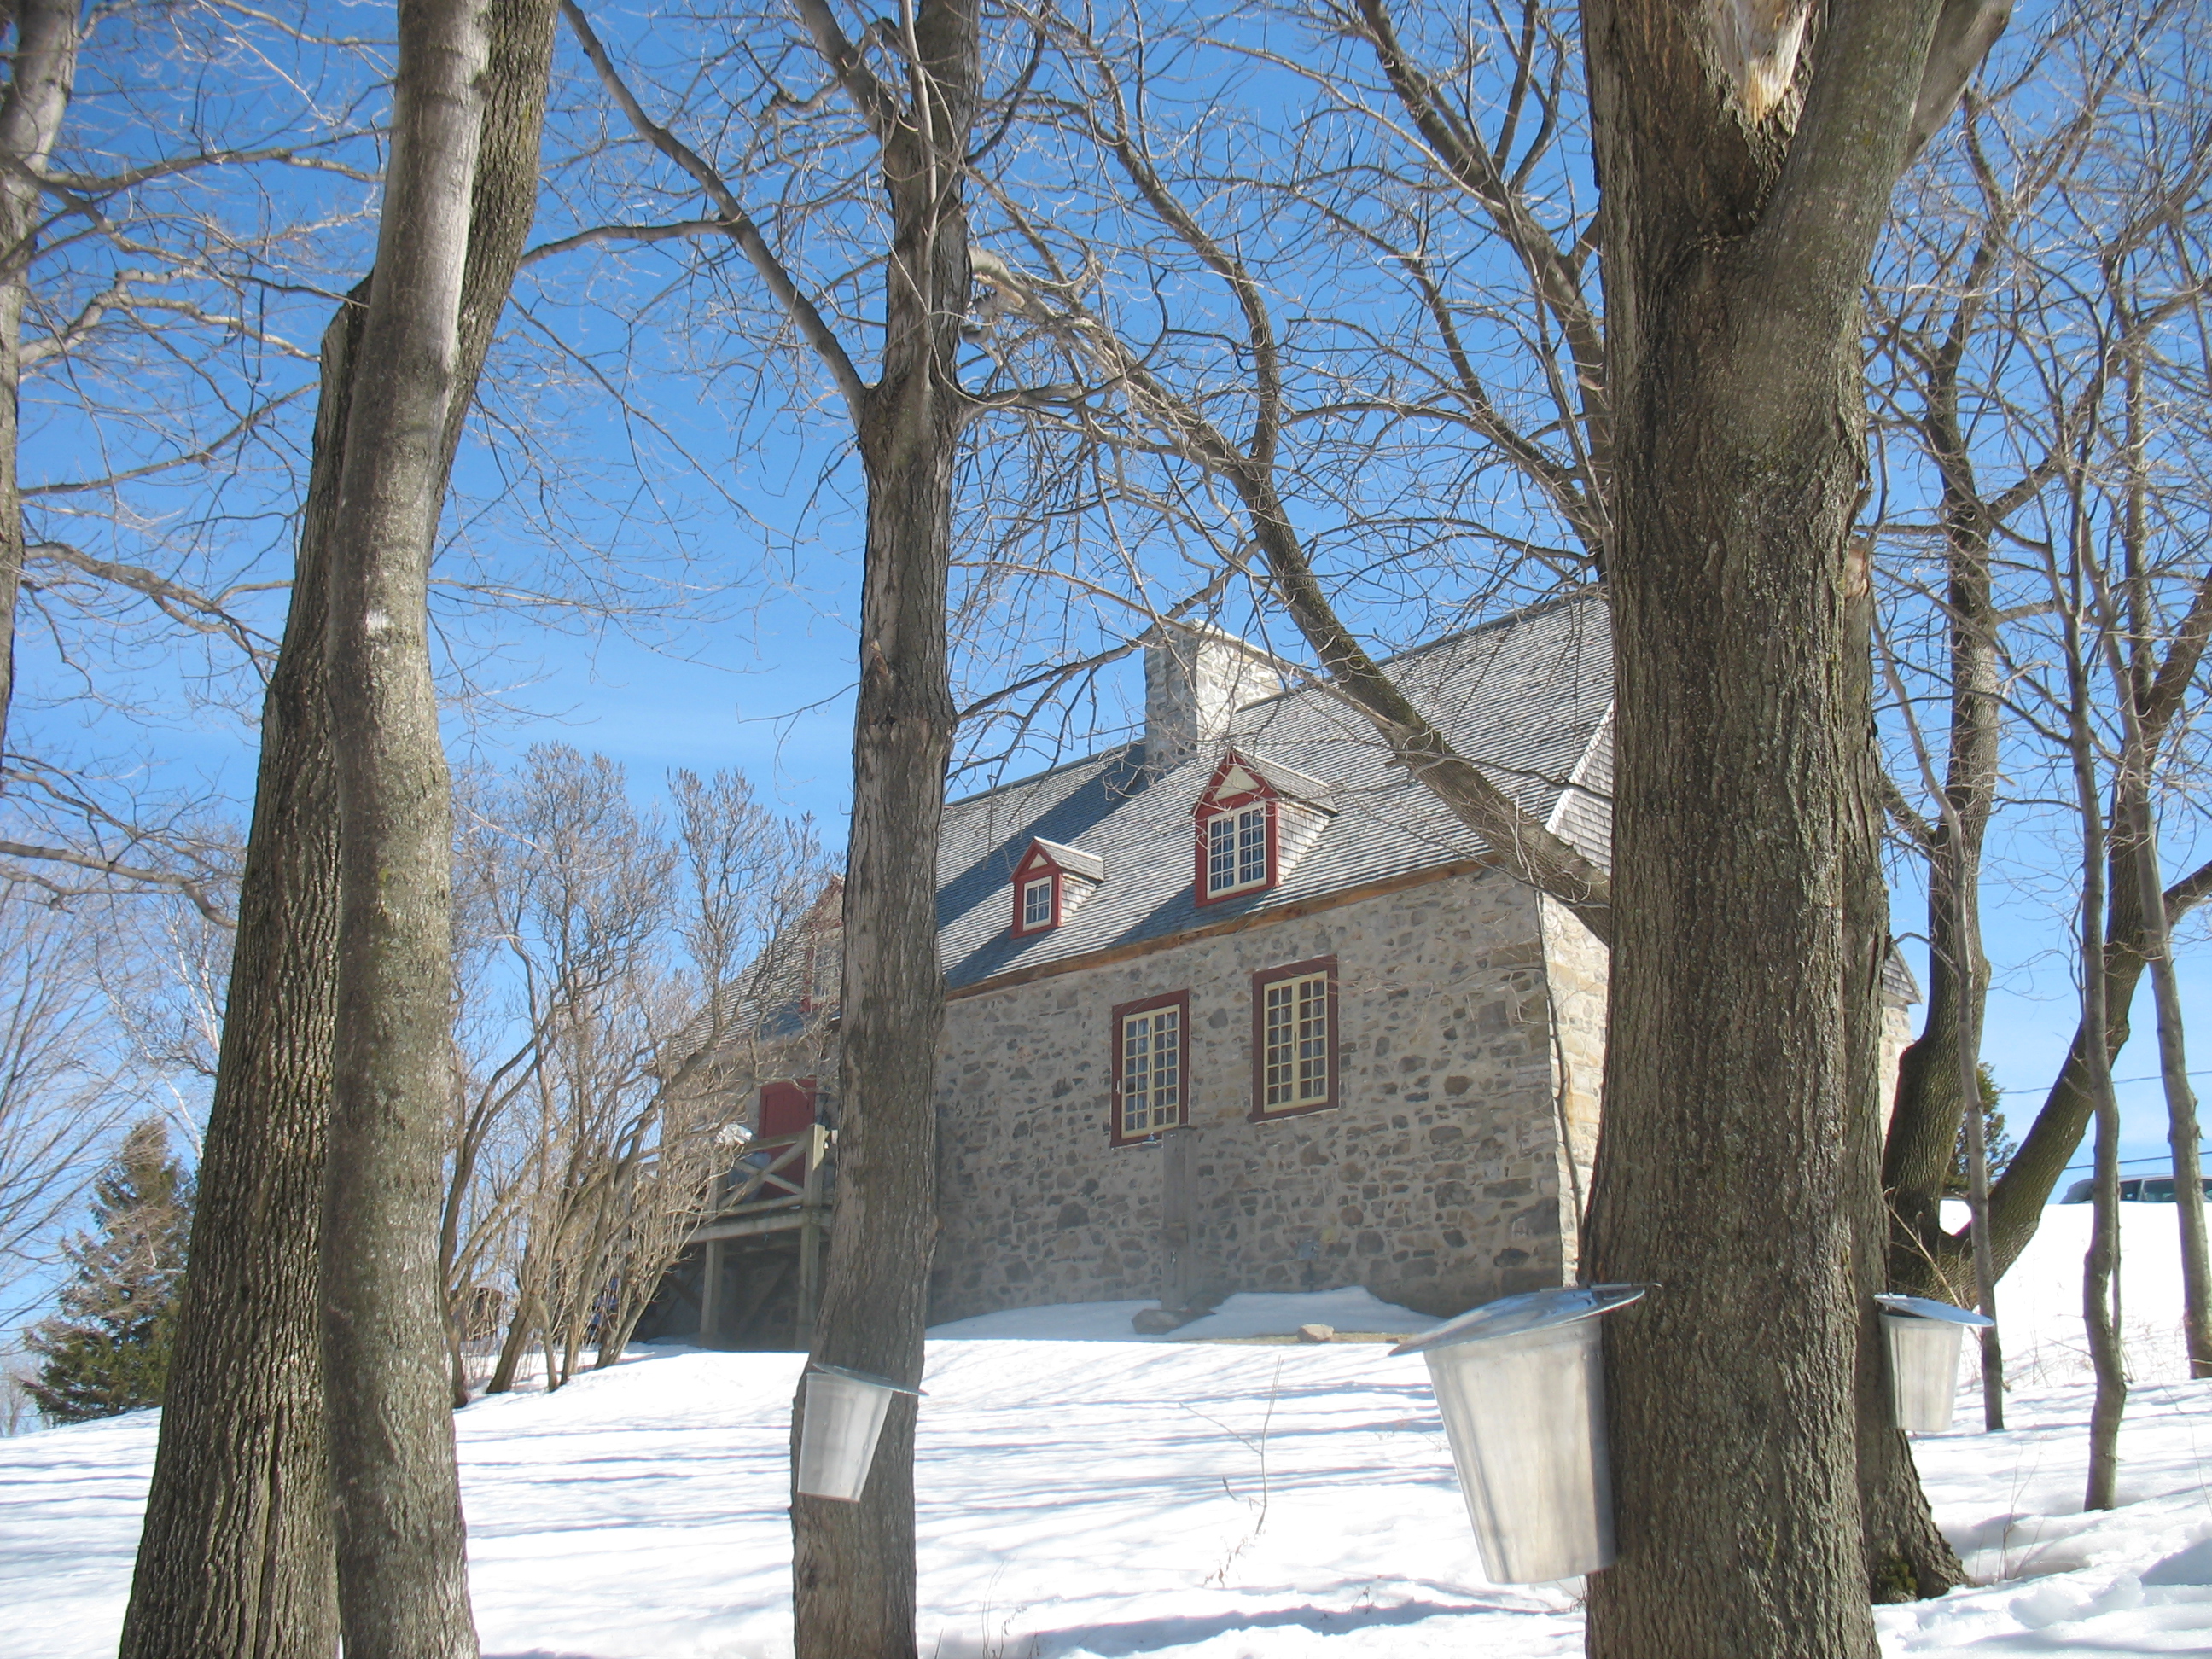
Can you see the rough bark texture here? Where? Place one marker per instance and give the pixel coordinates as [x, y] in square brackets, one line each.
[235, 1557]
[1907, 1556]
[853, 1568]
[2100, 1265]
[403, 1585]
[1931, 1099]
[42, 72]
[1732, 253]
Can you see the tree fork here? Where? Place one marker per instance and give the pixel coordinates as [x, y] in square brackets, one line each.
[237, 1556]
[1737, 228]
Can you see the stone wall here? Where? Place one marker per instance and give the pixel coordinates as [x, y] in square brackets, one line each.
[1576, 965]
[1437, 1181]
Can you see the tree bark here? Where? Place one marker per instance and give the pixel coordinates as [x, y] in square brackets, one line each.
[42, 73]
[2130, 669]
[1733, 249]
[2017, 1197]
[2182, 1134]
[236, 1555]
[853, 1568]
[1907, 1556]
[402, 1569]
[2101, 1263]
[1931, 1087]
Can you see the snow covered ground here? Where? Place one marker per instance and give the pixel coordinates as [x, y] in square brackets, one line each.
[1082, 1495]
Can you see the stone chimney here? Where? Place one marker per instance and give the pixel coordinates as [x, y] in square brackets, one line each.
[1196, 677]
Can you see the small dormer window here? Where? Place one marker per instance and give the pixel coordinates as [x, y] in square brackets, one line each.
[1050, 883]
[1037, 904]
[1255, 820]
[1237, 850]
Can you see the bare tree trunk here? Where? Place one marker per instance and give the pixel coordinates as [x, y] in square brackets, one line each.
[1936, 1080]
[42, 72]
[2181, 1126]
[403, 1586]
[236, 1556]
[1907, 1556]
[1737, 226]
[2132, 680]
[2070, 591]
[2101, 1264]
[516, 1343]
[1985, 1270]
[852, 1566]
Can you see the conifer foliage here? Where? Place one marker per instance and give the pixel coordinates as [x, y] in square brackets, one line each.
[107, 1351]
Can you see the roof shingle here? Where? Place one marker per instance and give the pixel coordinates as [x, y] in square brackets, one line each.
[1526, 698]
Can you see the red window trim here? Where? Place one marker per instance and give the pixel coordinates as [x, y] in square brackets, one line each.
[1261, 980]
[1212, 806]
[1145, 1006]
[1022, 883]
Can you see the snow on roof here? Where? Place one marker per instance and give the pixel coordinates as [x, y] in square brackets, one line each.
[1076, 860]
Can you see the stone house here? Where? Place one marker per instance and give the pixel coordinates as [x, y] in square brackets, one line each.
[1238, 1006]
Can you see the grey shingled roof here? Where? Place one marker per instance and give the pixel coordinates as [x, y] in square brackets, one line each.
[1526, 698]
[1077, 860]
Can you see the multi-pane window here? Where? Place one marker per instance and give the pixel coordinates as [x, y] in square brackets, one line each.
[1294, 1046]
[1037, 904]
[1148, 1066]
[1237, 850]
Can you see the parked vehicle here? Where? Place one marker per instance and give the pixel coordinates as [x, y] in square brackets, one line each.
[2135, 1189]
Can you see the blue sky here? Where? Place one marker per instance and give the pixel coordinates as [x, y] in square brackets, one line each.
[704, 482]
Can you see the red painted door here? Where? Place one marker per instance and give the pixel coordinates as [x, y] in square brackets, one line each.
[785, 1108]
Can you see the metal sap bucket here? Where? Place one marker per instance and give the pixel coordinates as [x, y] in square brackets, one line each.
[1924, 1337]
[845, 1413]
[1520, 1383]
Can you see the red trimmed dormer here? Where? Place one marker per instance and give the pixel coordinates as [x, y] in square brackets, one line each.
[1254, 818]
[1050, 883]
[1239, 845]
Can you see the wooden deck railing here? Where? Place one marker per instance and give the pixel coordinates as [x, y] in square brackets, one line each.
[788, 1172]
[780, 1185]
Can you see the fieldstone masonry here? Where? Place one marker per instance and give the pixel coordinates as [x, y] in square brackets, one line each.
[1439, 1180]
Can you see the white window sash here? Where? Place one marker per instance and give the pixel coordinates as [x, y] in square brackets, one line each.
[1295, 1040]
[1035, 913]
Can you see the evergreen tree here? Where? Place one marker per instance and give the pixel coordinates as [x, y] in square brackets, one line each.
[107, 1351]
[1997, 1144]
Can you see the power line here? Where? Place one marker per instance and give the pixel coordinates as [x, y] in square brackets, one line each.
[2123, 1163]
[2153, 1077]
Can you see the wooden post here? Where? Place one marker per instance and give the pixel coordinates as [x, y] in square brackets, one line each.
[809, 1238]
[710, 1293]
[1177, 1215]
[810, 1210]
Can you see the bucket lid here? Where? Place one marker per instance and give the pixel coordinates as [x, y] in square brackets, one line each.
[1919, 1307]
[868, 1377]
[1516, 1316]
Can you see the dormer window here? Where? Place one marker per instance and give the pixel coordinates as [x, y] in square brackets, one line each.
[1040, 899]
[1050, 883]
[1237, 850]
[1254, 821]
